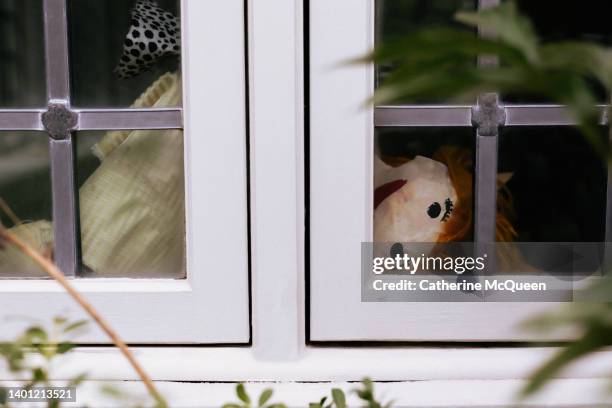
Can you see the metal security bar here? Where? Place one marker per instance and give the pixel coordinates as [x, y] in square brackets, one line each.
[61, 143]
[486, 117]
[60, 121]
[461, 115]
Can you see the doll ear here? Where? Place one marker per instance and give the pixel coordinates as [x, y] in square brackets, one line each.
[503, 179]
[153, 33]
[381, 170]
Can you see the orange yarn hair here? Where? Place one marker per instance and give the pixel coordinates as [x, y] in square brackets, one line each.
[459, 226]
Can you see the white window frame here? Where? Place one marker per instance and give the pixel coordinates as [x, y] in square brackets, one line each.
[341, 201]
[280, 356]
[211, 304]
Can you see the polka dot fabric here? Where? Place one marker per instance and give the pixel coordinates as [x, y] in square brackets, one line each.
[153, 33]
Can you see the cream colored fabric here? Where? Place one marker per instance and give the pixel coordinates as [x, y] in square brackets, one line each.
[132, 206]
[13, 263]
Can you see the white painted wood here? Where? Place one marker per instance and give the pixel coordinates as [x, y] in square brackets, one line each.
[277, 177]
[574, 393]
[341, 142]
[412, 377]
[429, 394]
[324, 364]
[211, 306]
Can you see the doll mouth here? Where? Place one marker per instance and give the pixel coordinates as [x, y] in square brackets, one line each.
[384, 191]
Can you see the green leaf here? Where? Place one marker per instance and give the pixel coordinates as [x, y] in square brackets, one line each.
[231, 405]
[36, 334]
[509, 26]
[76, 325]
[59, 320]
[596, 338]
[39, 375]
[366, 393]
[242, 394]
[76, 381]
[65, 347]
[314, 405]
[112, 391]
[14, 356]
[339, 397]
[265, 397]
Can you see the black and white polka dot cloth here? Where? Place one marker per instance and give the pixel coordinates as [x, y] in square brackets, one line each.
[153, 34]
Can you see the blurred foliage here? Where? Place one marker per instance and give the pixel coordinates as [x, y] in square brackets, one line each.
[440, 63]
[246, 402]
[31, 357]
[365, 392]
[590, 320]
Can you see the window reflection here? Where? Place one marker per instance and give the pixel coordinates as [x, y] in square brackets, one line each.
[557, 183]
[102, 36]
[22, 67]
[396, 18]
[25, 199]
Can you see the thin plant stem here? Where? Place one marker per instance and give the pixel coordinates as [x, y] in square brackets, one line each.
[9, 212]
[52, 270]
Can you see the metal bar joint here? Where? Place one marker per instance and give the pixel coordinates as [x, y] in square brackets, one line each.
[59, 121]
[488, 115]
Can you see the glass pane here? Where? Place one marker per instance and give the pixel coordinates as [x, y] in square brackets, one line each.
[26, 211]
[132, 203]
[396, 18]
[568, 20]
[557, 184]
[118, 48]
[423, 185]
[22, 67]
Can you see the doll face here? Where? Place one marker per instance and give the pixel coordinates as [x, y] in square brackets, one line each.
[413, 202]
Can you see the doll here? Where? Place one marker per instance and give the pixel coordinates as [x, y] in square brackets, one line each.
[413, 202]
[429, 200]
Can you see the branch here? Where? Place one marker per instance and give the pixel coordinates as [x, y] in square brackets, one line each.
[52, 270]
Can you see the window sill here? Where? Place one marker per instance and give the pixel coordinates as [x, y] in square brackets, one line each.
[576, 393]
[218, 364]
[413, 377]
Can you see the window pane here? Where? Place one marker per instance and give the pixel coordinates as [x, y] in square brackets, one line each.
[557, 184]
[22, 68]
[26, 211]
[396, 18]
[423, 185]
[117, 50]
[570, 20]
[132, 203]
[567, 20]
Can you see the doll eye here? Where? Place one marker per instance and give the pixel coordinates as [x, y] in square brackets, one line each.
[434, 210]
[448, 210]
